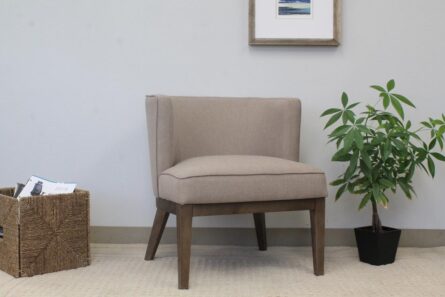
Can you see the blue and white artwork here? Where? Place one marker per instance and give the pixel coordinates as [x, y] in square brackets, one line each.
[294, 8]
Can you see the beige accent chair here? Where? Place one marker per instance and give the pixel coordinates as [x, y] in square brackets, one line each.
[217, 156]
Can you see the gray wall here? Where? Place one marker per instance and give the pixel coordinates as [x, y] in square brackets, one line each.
[73, 75]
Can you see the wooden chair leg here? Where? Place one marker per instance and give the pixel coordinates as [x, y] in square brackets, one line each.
[184, 216]
[260, 228]
[318, 232]
[156, 233]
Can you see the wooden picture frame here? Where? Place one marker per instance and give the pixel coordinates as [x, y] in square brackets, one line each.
[296, 41]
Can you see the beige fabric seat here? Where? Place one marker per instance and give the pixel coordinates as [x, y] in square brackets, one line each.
[240, 178]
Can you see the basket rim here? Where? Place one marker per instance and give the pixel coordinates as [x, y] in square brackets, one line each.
[76, 191]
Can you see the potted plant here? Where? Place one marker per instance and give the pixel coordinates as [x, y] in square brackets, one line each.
[382, 151]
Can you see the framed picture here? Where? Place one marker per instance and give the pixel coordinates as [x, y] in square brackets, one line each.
[294, 22]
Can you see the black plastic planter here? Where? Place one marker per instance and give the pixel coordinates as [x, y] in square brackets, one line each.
[377, 248]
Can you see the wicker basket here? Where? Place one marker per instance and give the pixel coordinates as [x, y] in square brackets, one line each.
[44, 234]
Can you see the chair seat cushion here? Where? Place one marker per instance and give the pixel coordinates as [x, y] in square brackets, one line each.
[240, 178]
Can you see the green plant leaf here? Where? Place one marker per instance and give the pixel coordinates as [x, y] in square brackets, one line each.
[390, 85]
[423, 167]
[332, 120]
[386, 100]
[366, 159]
[360, 191]
[350, 116]
[411, 171]
[408, 125]
[432, 144]
[431, 166]
[340, 192]
[344, 118]
[397, 106]
[438, 156]
[426, 124]
[341, 156]
[344, 158]
[358, 139]
[421, 155]
[376, 191]
[353, 105]
[332, 139]
[411, 189]
[337, 182]
[387, 149]
[351, 188]
[366, 171]
[399, 144]
[339, 140]
[365, 201]
[348, 141]
[440, 141]
[370, 108]
[344, 99]
[387, 183]
[352, 166]
[340, 131]
[404, 188]
[330, 111]
[378, 88]
[431, 121]
[404, 100]
[441, 130]
[436, 122]
[384, 200]
[363, 129]
[414, 135]
[378, 139]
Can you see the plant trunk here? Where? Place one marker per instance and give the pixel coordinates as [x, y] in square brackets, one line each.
[376, 224]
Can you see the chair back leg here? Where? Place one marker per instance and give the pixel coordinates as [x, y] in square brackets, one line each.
[318, 233]
[156, 233]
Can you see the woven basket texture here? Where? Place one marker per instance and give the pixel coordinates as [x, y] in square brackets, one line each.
[44, 234]
[9, 244]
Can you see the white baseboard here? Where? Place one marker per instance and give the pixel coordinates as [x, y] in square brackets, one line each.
[246, 236]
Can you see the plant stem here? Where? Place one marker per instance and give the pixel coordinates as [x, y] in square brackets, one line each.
[376, 224]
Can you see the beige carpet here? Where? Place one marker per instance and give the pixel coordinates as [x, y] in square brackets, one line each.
[119, 270]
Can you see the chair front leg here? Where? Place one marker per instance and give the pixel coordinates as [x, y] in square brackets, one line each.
[156, 233]
[184, 214]
[260, 228]
[318, 233]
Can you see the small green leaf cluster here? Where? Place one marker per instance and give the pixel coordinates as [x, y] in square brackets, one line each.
[381, 149]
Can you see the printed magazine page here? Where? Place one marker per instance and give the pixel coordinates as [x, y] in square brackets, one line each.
[37, 186]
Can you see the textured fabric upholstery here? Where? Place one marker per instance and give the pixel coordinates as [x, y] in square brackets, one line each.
[185, 127]
[160, 136]
[240, 178]
[214, 150]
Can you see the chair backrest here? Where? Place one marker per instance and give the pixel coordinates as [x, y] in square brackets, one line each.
[184, 127]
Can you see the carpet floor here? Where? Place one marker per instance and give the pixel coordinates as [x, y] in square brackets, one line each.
[119, 270]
